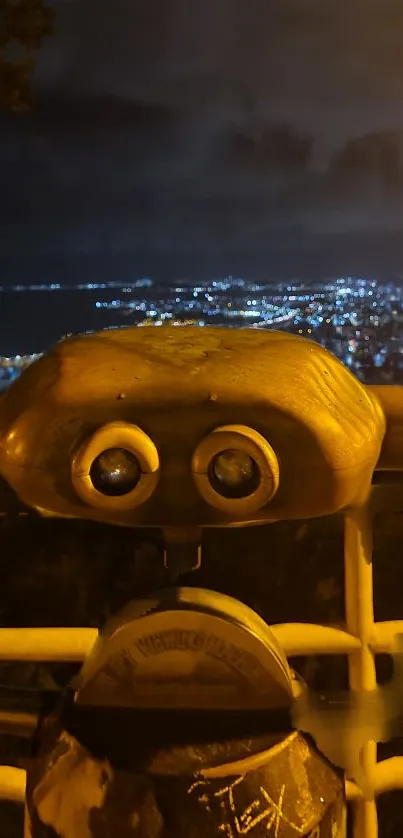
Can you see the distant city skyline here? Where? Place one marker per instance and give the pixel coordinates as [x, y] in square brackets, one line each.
[357, 318]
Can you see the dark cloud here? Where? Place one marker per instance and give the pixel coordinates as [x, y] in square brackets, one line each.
[215, 132]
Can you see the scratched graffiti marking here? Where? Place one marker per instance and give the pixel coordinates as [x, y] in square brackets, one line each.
[238, 819]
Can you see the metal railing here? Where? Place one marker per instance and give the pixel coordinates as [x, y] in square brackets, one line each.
[361, 639]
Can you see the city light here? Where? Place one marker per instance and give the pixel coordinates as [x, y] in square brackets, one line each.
[358, 319]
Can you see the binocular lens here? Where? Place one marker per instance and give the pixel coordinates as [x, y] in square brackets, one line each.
[115, 472]
[234, 474]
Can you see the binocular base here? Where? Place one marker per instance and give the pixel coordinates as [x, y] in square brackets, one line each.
[287, 791]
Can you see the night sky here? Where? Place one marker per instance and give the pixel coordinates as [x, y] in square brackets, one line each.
[188, 137]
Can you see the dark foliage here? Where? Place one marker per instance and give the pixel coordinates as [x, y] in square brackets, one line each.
[23, 26]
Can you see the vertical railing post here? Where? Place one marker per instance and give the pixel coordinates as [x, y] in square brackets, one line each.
[359, 613]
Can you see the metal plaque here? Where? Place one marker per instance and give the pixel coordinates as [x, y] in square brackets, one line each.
[189, 649]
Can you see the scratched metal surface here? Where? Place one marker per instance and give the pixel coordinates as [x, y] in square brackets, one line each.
[294, 794]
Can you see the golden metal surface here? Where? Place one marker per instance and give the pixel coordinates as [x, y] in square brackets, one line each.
[325, 429]
[12, 783]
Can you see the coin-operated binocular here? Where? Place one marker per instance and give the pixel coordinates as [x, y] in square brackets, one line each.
[185, 719]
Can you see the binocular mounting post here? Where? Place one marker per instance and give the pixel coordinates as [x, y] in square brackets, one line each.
[182, 550]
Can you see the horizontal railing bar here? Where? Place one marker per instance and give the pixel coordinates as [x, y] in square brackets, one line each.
[73, 644]
[46, 644]
[389, 775]
[12, 783]
[312, 639]
[384, 634]
[353, 792]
